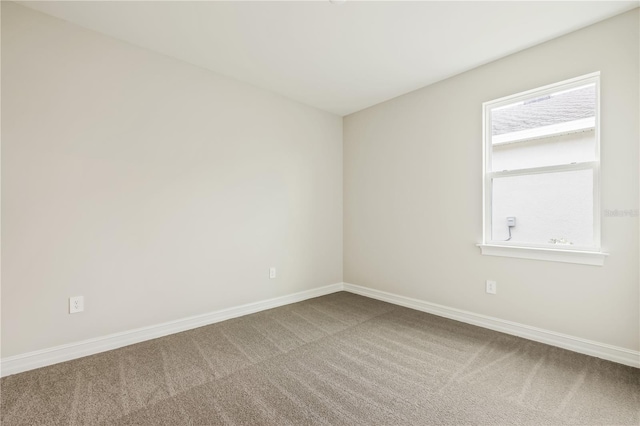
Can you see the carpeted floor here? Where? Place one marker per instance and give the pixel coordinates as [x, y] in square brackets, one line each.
[340, 359]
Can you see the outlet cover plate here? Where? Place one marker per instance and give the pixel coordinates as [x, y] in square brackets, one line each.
[76, 304]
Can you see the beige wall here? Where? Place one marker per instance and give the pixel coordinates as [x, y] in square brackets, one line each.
[413, 193]
[155, 189]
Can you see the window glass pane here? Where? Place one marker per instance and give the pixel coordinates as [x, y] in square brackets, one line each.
[544, 131]
[549, 208]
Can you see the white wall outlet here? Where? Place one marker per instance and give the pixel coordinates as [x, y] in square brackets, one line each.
[76, 304]
[492, 287]
[272, 272]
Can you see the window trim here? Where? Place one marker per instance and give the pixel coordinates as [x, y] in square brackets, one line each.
[591, 255]
[595, 258]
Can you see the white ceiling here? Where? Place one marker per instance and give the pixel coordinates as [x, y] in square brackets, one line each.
[337, 57]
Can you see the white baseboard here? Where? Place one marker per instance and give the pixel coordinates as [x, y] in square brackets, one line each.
[576, 344]
[42, 358]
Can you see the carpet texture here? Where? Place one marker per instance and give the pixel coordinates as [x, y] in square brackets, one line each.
[340, 359]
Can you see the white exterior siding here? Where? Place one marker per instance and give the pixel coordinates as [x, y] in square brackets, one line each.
[546, 206]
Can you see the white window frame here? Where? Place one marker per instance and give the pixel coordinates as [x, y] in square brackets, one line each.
[591, 255]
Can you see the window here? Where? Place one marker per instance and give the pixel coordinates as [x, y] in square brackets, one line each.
[541, 173]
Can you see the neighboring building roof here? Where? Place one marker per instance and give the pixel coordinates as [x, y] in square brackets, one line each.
[545, 111]
[559, 129]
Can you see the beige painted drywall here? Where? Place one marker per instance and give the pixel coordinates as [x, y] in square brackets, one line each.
[155, 189]
[413, 193]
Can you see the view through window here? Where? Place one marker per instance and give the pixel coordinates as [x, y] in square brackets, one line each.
[542, 167]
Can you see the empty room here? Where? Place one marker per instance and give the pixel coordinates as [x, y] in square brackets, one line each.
[331, 212]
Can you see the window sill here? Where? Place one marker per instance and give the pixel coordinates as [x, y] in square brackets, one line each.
[595, 258]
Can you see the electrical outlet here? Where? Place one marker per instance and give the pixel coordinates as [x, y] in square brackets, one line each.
[492, 287]
[272, 272]
[76, 304]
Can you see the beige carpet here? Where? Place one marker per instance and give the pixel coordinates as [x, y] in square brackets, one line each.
[340, 359]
